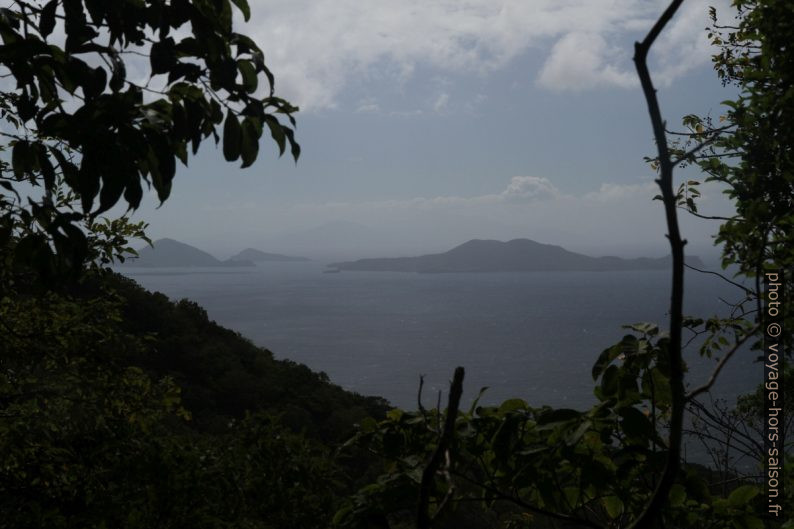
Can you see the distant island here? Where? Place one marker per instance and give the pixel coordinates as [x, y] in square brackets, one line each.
[258, 256]
[171, 253]
[518, 255]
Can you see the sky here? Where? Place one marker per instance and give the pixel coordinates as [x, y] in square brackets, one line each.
[426, 123]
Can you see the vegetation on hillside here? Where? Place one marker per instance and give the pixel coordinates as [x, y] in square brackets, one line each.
[120, 408]
[619, 463]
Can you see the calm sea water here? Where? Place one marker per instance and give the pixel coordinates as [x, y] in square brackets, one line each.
[529, 335]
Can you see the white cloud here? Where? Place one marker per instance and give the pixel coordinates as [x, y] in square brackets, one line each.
[520, 190]
[684, 44]
[529, 188]
[318, 48]
[615, 218]
[368, 106]
[616, 192]
[441, 102]
[581, 61]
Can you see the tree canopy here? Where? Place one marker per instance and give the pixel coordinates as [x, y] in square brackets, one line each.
[79, 123]
[619, 463]
[120, 408]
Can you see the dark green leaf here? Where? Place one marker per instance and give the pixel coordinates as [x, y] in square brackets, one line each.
[133, 192]
[742, 495]
[613, 506]
[232, 137]
[558, 415]
[47, 18]
[242, 5]
[677, 495]
[249, 142]
[248, 73]
[609, 382]
[162, 55]
[19, 159]
[277, 131]
[635, 423]
[119, 74]
[295, 149]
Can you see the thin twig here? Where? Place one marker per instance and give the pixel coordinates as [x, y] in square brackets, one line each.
[713, 378]
[428, 475]
[529, 507]
[710, 217]
[747, 291]
[696, 148]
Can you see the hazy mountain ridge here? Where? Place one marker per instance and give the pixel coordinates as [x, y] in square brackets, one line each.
[258, 256]
[517, 255]
[171, 253]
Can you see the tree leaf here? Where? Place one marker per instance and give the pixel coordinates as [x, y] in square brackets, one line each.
[613, 506]
[232, 137]
[277, 132]
[248, 73]
[677, 495]
[242, 5]
[742, 495]
[249, 142]
[47, 18]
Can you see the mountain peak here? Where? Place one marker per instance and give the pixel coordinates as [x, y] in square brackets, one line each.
[167, 252]
[516, 255]
[258, 256]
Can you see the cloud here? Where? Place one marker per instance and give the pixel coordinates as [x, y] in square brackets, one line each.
[684, 44]
[581, 61]
[441, 102]
[319, 48]
[520, 190]
[529, 188]
[616, 192]
[612, 219]
[368, 106]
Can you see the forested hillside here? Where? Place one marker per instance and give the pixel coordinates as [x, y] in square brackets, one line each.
[120, 407]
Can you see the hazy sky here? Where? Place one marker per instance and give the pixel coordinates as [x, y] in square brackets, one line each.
[425, 123]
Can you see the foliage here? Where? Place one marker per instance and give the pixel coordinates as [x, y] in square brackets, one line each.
[77, 118]
[96, 432]
[532, 466]
[121, 408]
[748, 149]
[223, 374]
[538, 467]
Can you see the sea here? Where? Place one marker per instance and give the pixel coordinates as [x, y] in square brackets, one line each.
[528, 335]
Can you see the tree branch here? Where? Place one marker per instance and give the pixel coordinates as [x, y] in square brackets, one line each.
[713, 378]
[658, 499]
[574, 521]
[708, 217]
[456, 389]
[746, 290]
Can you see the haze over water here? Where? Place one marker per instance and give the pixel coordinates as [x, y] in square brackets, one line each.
[532, 335]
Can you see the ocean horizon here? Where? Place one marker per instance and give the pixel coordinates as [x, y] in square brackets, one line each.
[529, 335]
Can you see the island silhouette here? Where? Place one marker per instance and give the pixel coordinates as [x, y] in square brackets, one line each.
[517, 255]
[171, 253]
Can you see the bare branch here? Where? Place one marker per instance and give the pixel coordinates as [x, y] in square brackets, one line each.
[659, 497]
[423, 518]
[746, 290]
